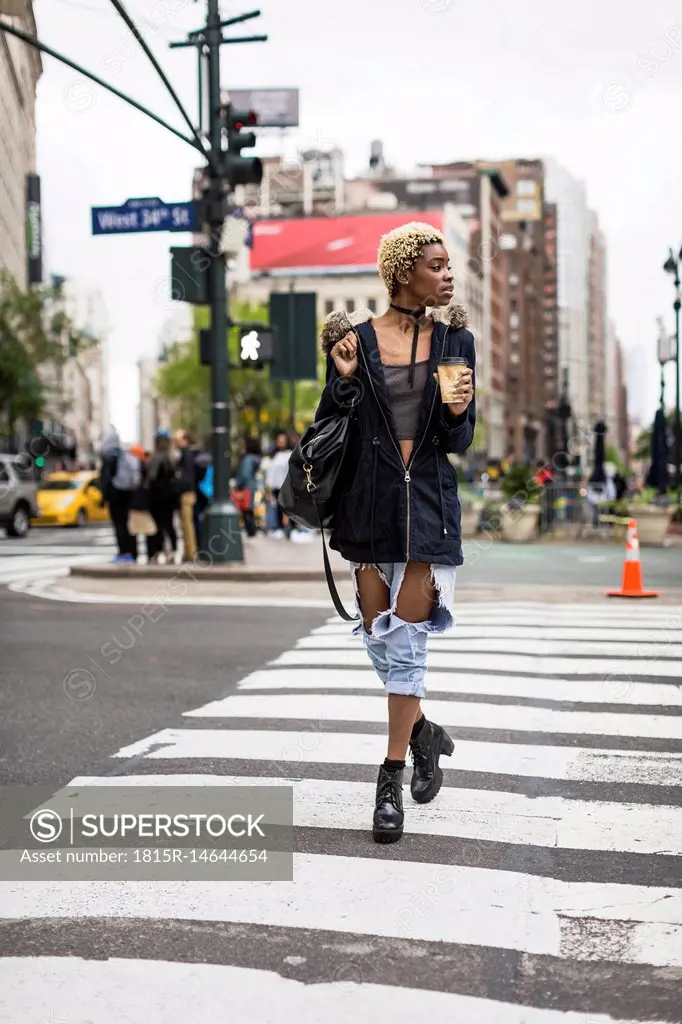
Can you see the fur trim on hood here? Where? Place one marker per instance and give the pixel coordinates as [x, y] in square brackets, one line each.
[338, 324]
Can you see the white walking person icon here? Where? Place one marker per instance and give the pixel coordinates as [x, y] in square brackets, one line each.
[250, 346]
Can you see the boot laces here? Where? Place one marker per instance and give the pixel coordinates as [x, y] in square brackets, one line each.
[389, 789]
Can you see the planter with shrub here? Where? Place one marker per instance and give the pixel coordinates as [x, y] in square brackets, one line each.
[520, 513]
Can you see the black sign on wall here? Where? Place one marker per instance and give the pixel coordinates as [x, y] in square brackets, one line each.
[34, 230]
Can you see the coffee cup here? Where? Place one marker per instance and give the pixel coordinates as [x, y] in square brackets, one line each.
[449, 373]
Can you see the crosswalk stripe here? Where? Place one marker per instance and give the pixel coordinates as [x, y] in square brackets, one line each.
[483, 907]
[593, 691]
[538, 647]
[577, 634]
[352, 656]
[313, 746]
[462, 813]
[118, 990]
[347, 708]
[28, 568]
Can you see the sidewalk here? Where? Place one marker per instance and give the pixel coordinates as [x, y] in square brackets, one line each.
[265, 561]
[284, 572]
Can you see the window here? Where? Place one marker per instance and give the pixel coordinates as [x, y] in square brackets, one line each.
[514, 358]
[350, 305]
[372, 305]
[513, 280]
[526, 188]
[328, 307]
[514, 320]
[4, 473]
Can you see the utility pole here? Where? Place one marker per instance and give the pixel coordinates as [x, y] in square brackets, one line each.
[221, 518]
[672, 266]
[222, 539]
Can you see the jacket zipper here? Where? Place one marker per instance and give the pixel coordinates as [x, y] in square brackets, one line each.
[406, 468]
[415, 452]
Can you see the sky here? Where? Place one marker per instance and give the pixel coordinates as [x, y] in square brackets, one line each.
[597, 85]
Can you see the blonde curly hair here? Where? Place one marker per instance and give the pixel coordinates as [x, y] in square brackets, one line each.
[401, 248]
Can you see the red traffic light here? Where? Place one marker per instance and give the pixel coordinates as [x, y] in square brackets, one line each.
[243, 119]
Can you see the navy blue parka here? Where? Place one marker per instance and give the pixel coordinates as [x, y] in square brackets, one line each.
[389, 512]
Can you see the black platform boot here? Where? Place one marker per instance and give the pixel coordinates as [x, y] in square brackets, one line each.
[388, 814]
[427, 777]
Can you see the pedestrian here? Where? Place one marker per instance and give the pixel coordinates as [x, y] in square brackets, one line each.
[246, 482]
[186, 489]
[276, 474]
[164, 499]
[202, 460]
[398, 520]
[119, 477]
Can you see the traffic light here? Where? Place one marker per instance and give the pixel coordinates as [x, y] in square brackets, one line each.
[241, 170]
[256, 346]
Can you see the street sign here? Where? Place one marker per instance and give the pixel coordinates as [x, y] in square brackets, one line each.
[276, 108]
[144, 215]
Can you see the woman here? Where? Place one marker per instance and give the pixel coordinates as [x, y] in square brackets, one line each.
[276, 474]
[398, 522]
[246, 480]
[164, 499]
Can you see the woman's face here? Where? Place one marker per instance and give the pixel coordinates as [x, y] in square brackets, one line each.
[430, 281]
[282, 442]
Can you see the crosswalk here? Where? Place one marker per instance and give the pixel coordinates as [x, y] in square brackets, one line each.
[46, 556]
[542, 886]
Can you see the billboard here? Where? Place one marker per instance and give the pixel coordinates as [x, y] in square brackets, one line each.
[433, 193]
[276, 108]
[34, 230]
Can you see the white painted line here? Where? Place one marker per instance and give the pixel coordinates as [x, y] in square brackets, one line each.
[476, 906]
[157, 992]
[539, 647]
[629, 667]
[313, 746]
[597, 691]
[350, 708]
[463, 813]
[578, 634]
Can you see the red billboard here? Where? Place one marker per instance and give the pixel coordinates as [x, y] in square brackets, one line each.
[318, 244]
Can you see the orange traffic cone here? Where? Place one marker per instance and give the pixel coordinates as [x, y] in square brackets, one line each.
[632, 568]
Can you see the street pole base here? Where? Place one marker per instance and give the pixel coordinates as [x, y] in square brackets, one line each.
[221, 535]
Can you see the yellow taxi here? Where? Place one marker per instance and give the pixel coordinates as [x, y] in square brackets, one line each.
[69, 499]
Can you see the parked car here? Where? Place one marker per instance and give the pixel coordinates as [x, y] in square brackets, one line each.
[17, 495]
[69, 499]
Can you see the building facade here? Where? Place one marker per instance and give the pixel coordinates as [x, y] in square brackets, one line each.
[20, 69]
[573, 274]
[597, 337]
[522, 255]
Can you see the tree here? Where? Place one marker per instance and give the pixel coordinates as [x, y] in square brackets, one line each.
[31, 335]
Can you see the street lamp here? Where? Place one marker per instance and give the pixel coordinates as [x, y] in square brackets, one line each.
[672, 266]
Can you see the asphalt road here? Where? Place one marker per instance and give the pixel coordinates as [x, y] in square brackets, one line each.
[541, 887]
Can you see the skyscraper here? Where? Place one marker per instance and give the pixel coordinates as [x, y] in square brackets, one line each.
[573, 273]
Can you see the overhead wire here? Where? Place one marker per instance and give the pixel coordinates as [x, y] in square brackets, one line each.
[33, 41]
[161, 73]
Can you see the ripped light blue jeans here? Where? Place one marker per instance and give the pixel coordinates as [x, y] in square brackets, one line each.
[396, 648]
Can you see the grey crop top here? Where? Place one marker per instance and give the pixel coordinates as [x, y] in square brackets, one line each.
[406, 401]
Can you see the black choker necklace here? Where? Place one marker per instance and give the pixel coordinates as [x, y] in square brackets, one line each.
[417, 313]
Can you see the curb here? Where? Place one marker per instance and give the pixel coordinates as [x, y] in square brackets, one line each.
[207, 574]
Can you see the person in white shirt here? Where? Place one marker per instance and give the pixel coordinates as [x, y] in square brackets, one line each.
[275, 476]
